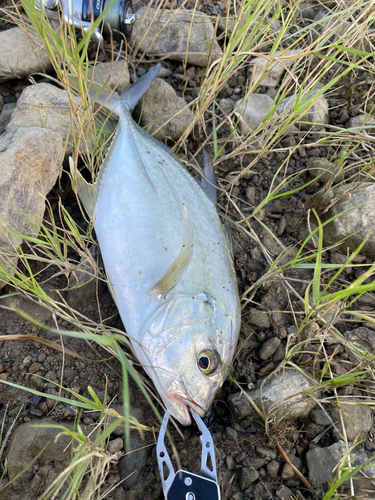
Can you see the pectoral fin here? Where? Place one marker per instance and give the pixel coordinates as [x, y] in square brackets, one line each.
[84, 190]
[177, 269]
[208, 181]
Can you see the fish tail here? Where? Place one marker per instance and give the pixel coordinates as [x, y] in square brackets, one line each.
[131, 96]
[100, 94]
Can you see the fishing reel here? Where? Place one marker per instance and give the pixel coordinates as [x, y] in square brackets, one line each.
[118, 18]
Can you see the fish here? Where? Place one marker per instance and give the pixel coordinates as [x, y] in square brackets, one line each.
[168, 262]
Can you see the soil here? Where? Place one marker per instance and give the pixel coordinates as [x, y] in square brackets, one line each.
[242, 444]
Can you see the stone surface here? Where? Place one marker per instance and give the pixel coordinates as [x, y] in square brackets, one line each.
[21, 54]
[327, 170]
[284, 493]
[158, 105]
[316, 115]
[253, 110]
[367, 122]
[30, 160]
[274, 71]
[282, 393]
[45, 106]
[247, 478]
[269, 347]
[273, 469]
[115, 445]
[320, 417]
[115, 74]
[227, 105]
[29, 440]
[363, 338]
[5, 115]
[359, 221]
[177, 35]
[322, 461]
[130, 465]
[259, 318]
[358, 420]
[287, 472]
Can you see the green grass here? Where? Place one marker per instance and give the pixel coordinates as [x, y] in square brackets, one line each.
[329, 57]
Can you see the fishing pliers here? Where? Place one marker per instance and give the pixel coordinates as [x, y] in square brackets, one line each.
[184, 485]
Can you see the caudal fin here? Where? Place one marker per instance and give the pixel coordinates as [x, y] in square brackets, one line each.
[130, 96]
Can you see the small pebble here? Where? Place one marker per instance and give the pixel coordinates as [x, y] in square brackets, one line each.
[115, 445]
[287, 472]
[273, 468]
[268, 348]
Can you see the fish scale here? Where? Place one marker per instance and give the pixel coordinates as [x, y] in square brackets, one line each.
[146, 205]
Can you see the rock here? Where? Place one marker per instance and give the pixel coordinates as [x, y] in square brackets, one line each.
[316, 116]
[322, 462]
[284, 493]
[19, 57]
[259, 318]
[115, 445]
[362, 337]
[358, 420]
[287, 472]
[179, 35]
[274, 71]
[247, 478]
[327, 170]
[273, 469]
[5, 115]
[306, 10]
[365, 122]
[230, 462]
[114, 74]
[225, 104]
[45, 106]
[320, 417]
[133, 462]
[30, 160]
[266, 452]
[358, 221]
[253, 111]
[158, 105]
[269, 348]
[369, 472]
[29, 440]
[282, 393]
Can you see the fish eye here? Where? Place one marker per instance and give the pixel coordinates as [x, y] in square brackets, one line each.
[208, 361]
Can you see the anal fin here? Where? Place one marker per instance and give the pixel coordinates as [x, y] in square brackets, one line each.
[84, 189]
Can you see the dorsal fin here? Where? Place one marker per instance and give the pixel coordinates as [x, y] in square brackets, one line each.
[178, 268]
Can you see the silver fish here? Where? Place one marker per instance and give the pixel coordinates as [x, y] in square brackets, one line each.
[167, 260]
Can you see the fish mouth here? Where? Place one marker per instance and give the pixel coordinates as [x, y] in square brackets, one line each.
[187, 400]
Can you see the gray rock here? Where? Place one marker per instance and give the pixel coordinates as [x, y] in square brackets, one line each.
[358, 420]
[178, 35]
[247, 478]
[363, 338]
[114, 74]
[320, 417]
[273, 469]
[30, 160]
[366, 122]
[259, 318]
[158, 105]
[322, 462]
[29, 440]
[306, 10]
[317, 115]
[274, 71]
[21, 54]
[266, 452]
[227, 105]
[287, 472]
[115, 445]
[359, 220]
[5, 115]
[131, 464]
[45, 106]
[282, 393]
[29, 307]
[284, 493]
[253, 110]
[269, 348]
[327, 170]
[367, 472]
